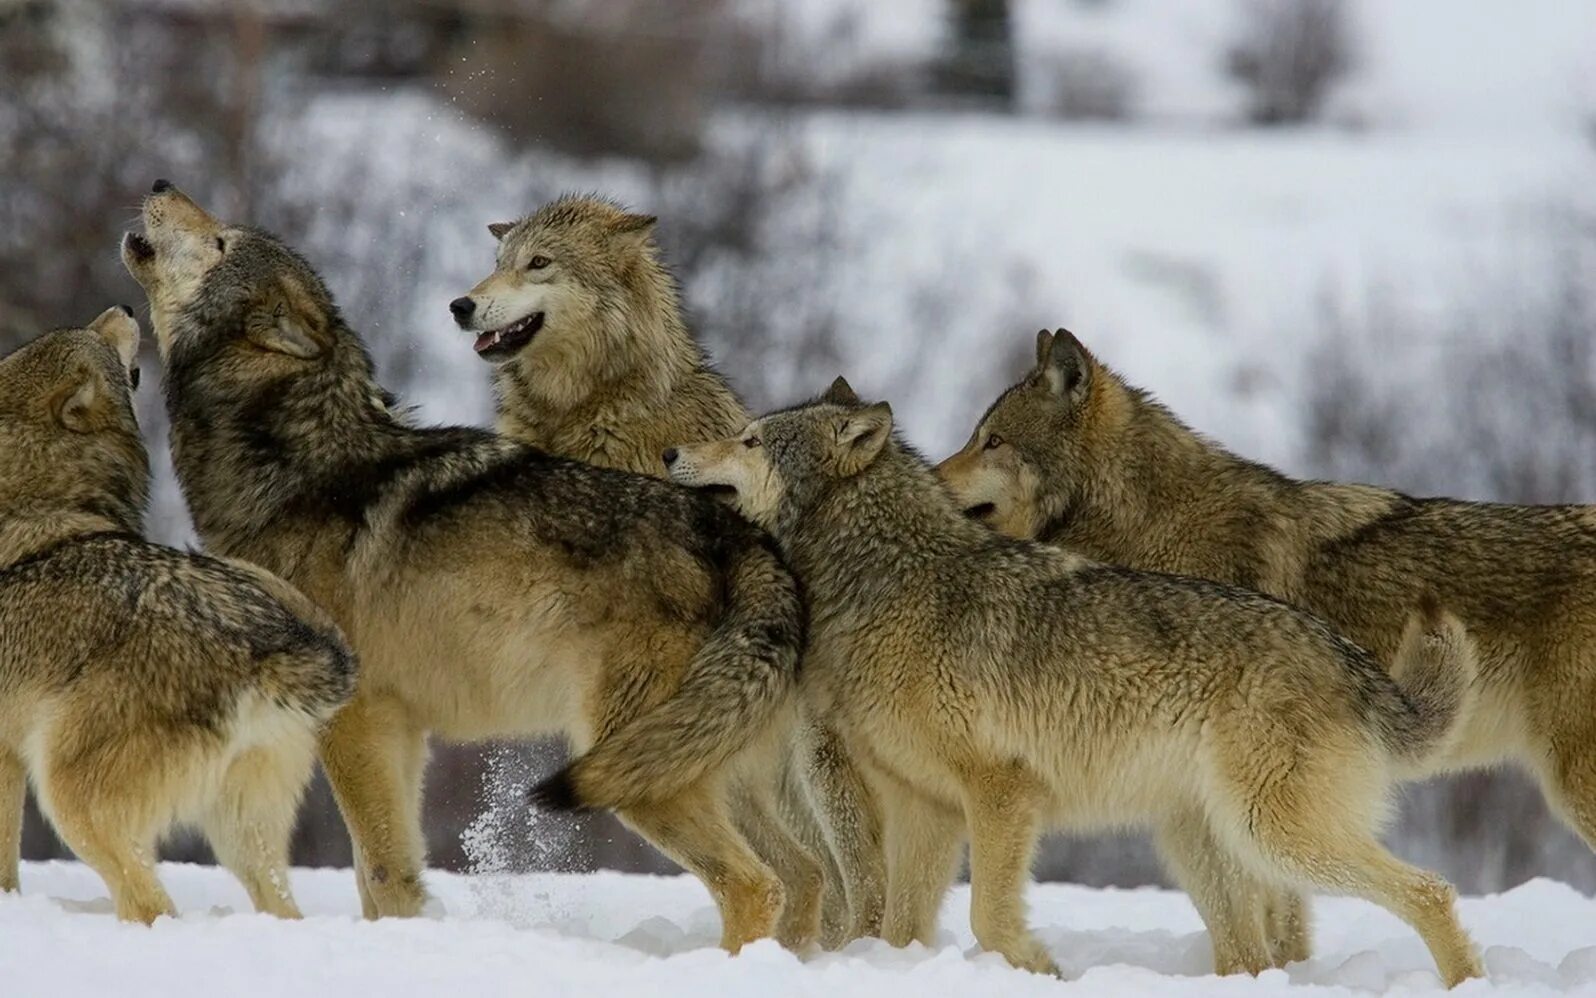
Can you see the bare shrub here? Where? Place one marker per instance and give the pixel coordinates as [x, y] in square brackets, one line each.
[979, 61]
[833, 67]
[1087, 84]
[591, 77]
[1288, 56]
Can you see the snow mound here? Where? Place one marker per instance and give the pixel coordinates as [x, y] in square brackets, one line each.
[604, 933]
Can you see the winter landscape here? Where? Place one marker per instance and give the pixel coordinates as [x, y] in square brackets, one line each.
[613, 933]
[1396, 284]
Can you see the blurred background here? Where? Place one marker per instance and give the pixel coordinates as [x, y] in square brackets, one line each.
[1354, 238]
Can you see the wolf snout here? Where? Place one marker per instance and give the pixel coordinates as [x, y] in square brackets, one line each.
[161, 186]
[463, 309]
[669, 456]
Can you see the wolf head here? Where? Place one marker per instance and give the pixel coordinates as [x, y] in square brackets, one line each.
[782, 463]
[1031, 453]
[238, 315]
[577, 297]
[68, 436]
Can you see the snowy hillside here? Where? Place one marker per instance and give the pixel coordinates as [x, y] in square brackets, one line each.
[558, 934]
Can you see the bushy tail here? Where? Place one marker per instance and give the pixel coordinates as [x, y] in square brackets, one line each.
[742, 675]
[1436, 666]
[315, 677]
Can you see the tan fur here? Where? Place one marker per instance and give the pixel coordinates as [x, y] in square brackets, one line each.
[492, 590]
[1109, 472]
[614, 377]
[139, 687]
[1003, 687]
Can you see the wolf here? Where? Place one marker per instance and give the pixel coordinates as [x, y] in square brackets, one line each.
[1021, 686]
[490, 589]
[583, 325]
[140, 686]
[592, 361]
[1074, 455]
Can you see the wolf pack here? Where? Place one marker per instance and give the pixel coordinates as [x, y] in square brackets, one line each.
[789, 652]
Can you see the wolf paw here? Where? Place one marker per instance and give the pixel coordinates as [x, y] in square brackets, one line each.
[1033, 956]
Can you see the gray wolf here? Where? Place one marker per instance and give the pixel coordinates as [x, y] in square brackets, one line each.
[583, 324]
[1021, 686]
[593, 362]
[140, 686]
[1075, 456]
[490, 589]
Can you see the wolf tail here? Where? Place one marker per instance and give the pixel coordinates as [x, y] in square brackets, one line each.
[739, 679]
[1435, 667]
[313, 675]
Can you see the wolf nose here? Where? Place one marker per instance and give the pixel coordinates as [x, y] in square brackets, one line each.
[669, 457]
[160, 186]
[462, 308]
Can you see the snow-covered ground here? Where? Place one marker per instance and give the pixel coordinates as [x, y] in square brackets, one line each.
[607, 933]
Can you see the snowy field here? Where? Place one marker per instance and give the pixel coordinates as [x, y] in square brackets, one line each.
[1195, 255]
[607, 933]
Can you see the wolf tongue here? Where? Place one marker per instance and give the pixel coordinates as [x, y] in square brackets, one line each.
[485, 340]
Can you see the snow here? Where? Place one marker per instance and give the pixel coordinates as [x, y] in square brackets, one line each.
[1194, 255]
[1196, 258]
[556, 934]
[1192, 262]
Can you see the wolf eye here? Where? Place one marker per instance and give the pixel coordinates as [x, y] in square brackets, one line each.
[221, 245]
[993, 442]
[538, 262]
[752, 442]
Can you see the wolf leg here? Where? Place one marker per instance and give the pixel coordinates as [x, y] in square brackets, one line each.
[798, 814]
[1229, 898]
[250, 822]
[1309, 840]
[922, 840]
[694, 830]
[849, 818]
[1003, 806]
[109, 835]
[1288, 922]
[13, 797]
[800, 873]
[1567, 773]
[373, 755]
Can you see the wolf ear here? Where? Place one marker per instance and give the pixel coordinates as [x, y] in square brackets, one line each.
[499, 229]
[634, 228]
[1067, 365]
[633, 222]
[1044, 345]
[861, 435]
[290, 325]
[841, 393]
[78, 406]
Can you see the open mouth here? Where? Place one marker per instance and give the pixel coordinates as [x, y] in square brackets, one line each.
[496, 344]
[138, 247]
[980, 511]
